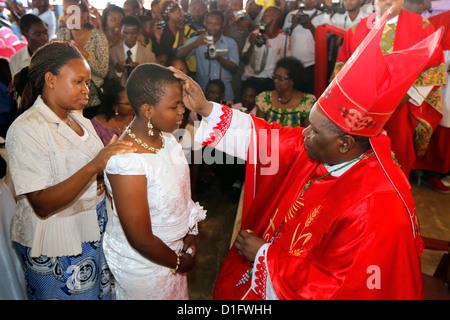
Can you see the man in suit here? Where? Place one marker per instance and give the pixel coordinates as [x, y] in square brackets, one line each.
[127, 55]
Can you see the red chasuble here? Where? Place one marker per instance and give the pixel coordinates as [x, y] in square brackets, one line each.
[346, 238]
[410, 127]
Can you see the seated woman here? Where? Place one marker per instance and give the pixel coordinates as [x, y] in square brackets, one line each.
[287, 105]
[115, 112]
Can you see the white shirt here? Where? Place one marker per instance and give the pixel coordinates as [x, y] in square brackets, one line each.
[19, 60]
[133, 54]
[303, 45]
[263, 60]
[42, 152]
[318, 20]
[343, 21]
[133, 51]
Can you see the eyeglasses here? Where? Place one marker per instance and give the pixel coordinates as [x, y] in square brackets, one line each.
[280, 78]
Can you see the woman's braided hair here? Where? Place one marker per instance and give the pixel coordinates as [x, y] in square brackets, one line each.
[30, 81]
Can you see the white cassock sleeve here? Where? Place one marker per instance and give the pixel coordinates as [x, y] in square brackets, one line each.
[227, 130]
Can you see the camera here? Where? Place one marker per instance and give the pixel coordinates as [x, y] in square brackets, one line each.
[187, 18]
[161, 24]
[239, 14]
[330, 10]
[302, 17]
[211, 51]
[260, 38]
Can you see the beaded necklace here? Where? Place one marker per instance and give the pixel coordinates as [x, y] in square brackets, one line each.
[143, 144]
[285, 101]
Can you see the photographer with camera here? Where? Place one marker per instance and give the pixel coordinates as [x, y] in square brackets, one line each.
[194, 26]
[217, 55]
[263, 48]
[309, 15]
[128, 54]
[238, 26]
[171, 23]
[301, 25]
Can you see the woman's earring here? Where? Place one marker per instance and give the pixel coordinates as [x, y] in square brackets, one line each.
[150, 128]
[116, 113]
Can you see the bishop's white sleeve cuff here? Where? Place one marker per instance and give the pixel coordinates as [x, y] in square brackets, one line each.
[261, 283]
[227, 130]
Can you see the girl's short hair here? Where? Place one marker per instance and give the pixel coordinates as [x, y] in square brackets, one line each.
[146, 84]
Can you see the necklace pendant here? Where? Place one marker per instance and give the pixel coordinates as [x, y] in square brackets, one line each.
[286, 101]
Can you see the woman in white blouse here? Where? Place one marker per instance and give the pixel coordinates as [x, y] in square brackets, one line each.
[55, 158]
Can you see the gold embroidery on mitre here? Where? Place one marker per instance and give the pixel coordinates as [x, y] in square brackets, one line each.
[351, 117]
[355, 121]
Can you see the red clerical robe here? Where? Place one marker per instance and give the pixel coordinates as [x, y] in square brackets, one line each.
[410, 127]
[438, 153]
[348, 237]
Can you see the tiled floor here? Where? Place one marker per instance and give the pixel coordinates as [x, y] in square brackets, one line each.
[215, 233]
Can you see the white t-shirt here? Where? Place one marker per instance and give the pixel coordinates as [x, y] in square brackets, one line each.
[19, 60]
[318, 20]
[263, 60]
[303, 45]
[343, 20]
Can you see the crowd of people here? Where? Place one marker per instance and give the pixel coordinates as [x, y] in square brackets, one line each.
[89, 101]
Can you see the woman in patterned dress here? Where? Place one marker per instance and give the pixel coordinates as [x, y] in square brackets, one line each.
[287, 104]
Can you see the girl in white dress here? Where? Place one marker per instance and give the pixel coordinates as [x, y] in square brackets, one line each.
[150, 241]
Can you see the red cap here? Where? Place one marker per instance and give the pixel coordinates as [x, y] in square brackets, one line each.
[370, 86]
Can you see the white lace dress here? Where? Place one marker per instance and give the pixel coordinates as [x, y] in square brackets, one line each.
[173, 215]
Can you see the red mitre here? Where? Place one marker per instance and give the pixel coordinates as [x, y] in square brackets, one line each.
[370, 86]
